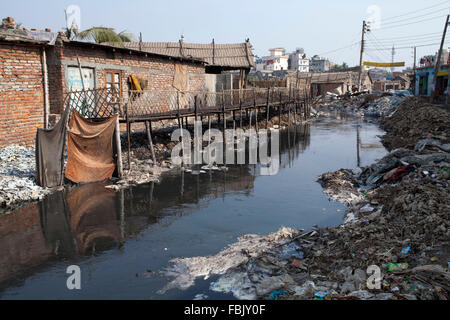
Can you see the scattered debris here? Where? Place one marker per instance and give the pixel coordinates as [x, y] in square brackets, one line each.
[17, 178]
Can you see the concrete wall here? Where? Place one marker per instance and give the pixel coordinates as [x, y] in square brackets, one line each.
[21, 93]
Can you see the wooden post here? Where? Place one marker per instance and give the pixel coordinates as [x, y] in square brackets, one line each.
[268, 107]
[195, 108]
[180, 124]
[129, 143]
[82, 85]
[279, 113]
[46, 98]
[256, 110]
[295, 107]
[118, 149]
[149, 136]
[223, 111]
[289, 106]
[240, 108]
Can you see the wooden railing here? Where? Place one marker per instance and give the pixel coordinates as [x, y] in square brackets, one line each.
[140, 105]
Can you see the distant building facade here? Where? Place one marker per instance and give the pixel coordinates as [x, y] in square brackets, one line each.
[277, 61]
[298, 61]
[318, 64]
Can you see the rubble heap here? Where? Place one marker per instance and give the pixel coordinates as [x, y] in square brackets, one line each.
[374, 105]
[396, 222]
[17, 181]
[413, 120]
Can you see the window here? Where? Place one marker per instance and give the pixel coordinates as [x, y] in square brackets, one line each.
[113, 80]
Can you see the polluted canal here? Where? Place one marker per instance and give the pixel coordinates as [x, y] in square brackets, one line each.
[123, 241]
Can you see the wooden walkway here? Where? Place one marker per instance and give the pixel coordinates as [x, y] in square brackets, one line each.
[155, 105]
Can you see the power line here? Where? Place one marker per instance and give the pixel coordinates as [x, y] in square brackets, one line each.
[414, 36]
[415, 17]
[375, 43]
[411, 12]
[405, 24]
[409, 47]
[351, 45]
[386, 42]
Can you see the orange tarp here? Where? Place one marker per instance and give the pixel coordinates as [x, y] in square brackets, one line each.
[180, 78]
[89, 149]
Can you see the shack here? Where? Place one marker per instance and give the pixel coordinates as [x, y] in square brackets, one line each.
[221, 59]
[106, 66]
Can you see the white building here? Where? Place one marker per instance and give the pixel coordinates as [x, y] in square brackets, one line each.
[318, 64]
[277, 60]
[298, 61]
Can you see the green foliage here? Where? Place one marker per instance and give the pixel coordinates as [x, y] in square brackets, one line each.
[104, 34]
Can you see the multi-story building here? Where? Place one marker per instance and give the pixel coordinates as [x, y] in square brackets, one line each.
[277, 61]
[318, 64]
[298, 61]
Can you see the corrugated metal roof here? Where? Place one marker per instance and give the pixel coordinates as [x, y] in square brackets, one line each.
[237, 55]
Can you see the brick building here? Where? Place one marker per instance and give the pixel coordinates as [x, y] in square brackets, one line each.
[23, 106]
[104, 66]
[39, 68]
[21, 89]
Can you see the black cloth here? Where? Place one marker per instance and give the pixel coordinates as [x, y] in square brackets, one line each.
[50, 145]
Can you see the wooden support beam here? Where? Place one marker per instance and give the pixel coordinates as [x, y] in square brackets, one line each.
[195, 108]
[240, 108]
[279, 113]
[129, 143]
[118, 149]
[148, 126]
[268, 108]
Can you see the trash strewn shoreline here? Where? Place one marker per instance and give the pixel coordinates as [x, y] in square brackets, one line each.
[396, 222]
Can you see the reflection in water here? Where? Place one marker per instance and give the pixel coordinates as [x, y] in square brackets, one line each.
[90, 218]
[84, 221]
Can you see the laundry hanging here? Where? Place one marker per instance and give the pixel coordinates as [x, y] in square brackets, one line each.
[90, 149]
[50, 144]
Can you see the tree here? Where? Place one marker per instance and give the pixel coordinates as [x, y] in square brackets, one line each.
[102, 34]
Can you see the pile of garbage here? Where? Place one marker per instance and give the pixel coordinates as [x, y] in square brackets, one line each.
[415, 120]
[370, 104]
[380, 107]
[394, 243]
[17, 177]
[397, 227]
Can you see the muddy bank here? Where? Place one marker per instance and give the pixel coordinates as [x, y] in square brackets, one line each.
[396, 222]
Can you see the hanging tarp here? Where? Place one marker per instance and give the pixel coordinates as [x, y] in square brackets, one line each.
[383, 64]
[180, 78]
[50, 144]
[90, 149]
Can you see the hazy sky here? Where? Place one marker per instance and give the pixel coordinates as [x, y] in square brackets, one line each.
[320, 27]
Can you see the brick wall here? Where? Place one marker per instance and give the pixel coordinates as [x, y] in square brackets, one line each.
[159, 72]
[21, 93]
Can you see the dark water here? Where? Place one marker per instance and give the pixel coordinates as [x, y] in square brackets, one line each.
[122, 240]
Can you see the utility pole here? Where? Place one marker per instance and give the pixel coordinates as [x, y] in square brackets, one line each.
[364, 29]
[414, 68]
[438, 62]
